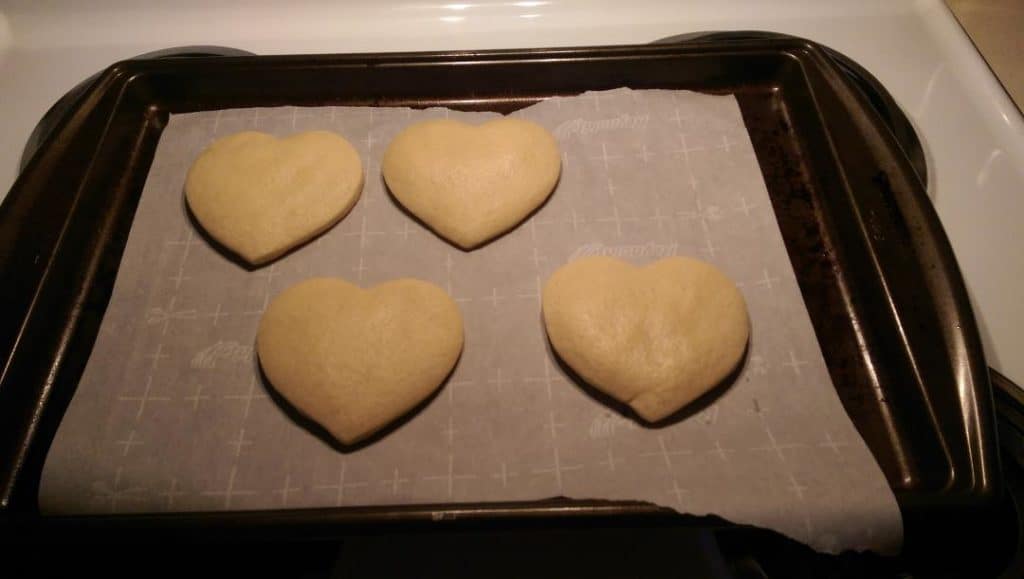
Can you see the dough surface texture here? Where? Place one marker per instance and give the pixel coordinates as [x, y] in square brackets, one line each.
[260, 196]
[655, 337]
[471, 183]
[355, 360]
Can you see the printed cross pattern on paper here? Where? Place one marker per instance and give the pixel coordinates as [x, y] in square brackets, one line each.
[172, 413]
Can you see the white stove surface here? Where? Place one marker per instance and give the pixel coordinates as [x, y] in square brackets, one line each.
[973, 134]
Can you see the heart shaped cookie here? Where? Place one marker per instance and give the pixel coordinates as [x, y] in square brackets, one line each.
[471, 183]
[354, 360]
[653, 337]
[260, 196]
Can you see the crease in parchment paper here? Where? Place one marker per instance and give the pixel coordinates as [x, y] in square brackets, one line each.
[172, 414]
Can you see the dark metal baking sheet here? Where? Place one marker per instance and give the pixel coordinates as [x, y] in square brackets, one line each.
[874, 266]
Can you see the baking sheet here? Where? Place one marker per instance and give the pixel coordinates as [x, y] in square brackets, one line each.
[171, 413]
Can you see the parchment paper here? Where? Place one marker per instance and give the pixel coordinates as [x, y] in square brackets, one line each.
[172, 415]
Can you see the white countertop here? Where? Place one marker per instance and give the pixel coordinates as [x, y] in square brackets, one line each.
[973, 135]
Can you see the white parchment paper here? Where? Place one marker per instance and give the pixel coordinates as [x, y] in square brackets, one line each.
[171, 413]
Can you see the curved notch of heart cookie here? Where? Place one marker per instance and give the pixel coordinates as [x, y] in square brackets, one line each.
[259, 196]
[470, 184]
[656, 337]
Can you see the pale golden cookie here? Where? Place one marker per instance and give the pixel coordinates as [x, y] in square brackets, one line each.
[260, 196]
[655, 337]
[354, 360]
[471, 183]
